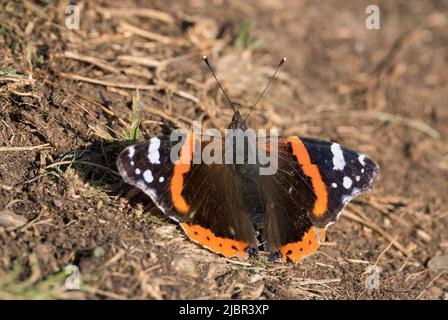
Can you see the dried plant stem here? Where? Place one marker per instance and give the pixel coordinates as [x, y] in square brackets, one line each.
[32, 148]
[108, 83]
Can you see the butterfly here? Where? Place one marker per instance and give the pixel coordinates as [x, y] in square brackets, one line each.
[233, 210]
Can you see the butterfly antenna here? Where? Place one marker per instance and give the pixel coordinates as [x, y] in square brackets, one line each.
[266, 88]
[214, 75]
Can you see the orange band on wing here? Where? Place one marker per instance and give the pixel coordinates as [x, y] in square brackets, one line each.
[312, 171]
[181, 167]
[309, 243]
[206, 238]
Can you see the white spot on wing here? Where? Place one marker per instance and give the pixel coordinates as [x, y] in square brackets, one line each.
[147, 175]
[131, 152]
[161, 179]
[347, 183]
[153, 150]
[334, 185]
[357, 178]
[338, 157]
[132, 163]
[361, 159]
[138, 171]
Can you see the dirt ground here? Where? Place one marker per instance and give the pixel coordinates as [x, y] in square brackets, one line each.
[66, 112]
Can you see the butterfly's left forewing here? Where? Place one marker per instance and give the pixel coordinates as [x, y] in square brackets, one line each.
[147, 165]
[206, 199]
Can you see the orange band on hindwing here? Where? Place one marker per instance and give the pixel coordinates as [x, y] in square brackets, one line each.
[309, 243]
[182, 166]
[206, 238]
[312, 171]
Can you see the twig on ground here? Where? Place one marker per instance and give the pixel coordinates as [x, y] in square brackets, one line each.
[32, 148]
[144, 61]
[319, 281]
[92, 60]
[16, 79]
[126, 27]
[108, 83]
[137, 12]
[387, 117]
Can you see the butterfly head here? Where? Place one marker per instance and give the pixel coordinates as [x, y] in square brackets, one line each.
[238, 122]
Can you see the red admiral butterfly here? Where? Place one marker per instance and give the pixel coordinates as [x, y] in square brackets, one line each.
[233, 210]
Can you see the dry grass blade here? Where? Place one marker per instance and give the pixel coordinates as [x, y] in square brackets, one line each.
[137, 12]
[136, 105]
[95, 61]
[32, 148]
[321, 281]
[26, 94]
[382, 116]
[108, 83]
[16, 79]
[144, 61]
[126, 27]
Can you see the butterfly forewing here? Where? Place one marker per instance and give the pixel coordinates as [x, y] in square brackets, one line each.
[344, 172]
[205, 198]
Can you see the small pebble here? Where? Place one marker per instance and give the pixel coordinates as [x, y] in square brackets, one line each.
[423, 235]
[9, 219]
